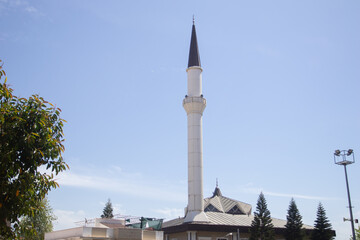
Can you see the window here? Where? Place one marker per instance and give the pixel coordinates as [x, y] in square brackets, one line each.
[235, 210]
[211, 208]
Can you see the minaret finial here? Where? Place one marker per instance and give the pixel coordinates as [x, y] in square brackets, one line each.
[194, 56]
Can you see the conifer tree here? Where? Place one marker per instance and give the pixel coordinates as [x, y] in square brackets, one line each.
[108, 210]
[293, 226]
[322, 226]
[262, 227]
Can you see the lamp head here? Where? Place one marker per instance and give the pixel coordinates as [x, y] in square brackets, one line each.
[337, 152]
[349, 152]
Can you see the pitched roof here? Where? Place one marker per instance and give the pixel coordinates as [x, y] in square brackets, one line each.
[219, 203]
[225, 219]
[223, 211]
[194, 56]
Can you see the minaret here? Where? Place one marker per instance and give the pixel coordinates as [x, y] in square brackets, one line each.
[194, 105]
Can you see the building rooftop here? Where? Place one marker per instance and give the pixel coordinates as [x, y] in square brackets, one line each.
[225, 219]
[221, 204]
[223, 212]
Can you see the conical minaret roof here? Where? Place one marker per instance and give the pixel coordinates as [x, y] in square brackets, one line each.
[194, 56]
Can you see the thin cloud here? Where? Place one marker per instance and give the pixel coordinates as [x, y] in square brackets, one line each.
[67, 219]
[140, 188]
[18, 5]
[170, 213]
[297, 196]
[287, 195]
[118, 209]
[31, 9]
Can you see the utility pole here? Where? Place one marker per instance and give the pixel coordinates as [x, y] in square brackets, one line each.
[344, 158]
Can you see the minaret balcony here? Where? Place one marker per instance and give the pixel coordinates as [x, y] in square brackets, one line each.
[194, 104]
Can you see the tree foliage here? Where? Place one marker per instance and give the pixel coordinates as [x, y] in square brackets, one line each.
[357, 234]
[293, 226]
[322, 226]
[35, 226]
[31, 136]
[262, 227]
[108, 210]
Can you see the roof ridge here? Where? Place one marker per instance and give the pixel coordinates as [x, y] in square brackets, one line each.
[236, 200]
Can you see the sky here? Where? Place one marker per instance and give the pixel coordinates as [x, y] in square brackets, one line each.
[281, 79]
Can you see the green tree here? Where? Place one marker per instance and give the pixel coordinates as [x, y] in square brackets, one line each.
[262, 227]
[293, 226]
[31, 137]
[108, 210]
[357, 234]
[322, 226]
[35, 226]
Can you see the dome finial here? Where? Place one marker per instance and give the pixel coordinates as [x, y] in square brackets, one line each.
[217, 191]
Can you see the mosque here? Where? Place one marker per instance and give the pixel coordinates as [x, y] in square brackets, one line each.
[213, 218]
[217, 217]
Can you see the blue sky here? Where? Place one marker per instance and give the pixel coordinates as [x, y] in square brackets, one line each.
[281, 79]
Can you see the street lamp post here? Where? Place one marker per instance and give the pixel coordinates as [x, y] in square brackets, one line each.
[346, 157]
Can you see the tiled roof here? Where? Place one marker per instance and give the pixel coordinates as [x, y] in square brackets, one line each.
[225, 205]
[225, 211]
[218, 218]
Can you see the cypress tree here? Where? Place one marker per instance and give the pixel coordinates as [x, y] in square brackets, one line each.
[294, 223]
[108, 210]
[322, 226]
[262, 227]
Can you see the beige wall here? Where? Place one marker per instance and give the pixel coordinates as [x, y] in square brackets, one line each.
[153, 235]
[212, 235]
[99, 232]
[127, 233]
[104, 233]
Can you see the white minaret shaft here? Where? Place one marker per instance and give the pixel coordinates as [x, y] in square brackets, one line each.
[194, 105]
